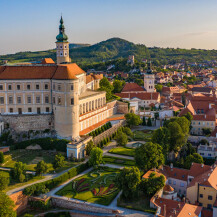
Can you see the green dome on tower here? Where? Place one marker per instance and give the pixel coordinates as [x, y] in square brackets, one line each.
[62, 37]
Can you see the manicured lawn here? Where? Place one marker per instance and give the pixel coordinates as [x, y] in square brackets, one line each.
[96, 186]
[119, 161]
[142, 135]
[141, 203]
[123, 151]
[31, 158]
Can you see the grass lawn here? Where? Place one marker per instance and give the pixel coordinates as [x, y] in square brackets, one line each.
[142, 135]
[123, 151]
[31, 158]
[141, 203]
[119, 161]
[96, 186]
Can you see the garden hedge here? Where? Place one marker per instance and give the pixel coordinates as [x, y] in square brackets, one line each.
[45, 143]
[37, 189]
[100, 129]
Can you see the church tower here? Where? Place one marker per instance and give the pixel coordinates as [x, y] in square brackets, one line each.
[149, 78]
[62, 45]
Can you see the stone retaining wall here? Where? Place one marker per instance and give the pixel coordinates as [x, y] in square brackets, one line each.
[108, 132]
[20, 201]
[79, 205]
[24, 123]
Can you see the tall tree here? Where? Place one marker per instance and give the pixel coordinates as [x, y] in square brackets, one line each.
[128, 181]
[107, 87]
[121, 139]
[118, 86]
[19, 171]
[6, 206]
[2, 158]
[132, 119]
[4, 180]
[41, 168]
[96, 155]
[149, 156]
[59, 161]
[194, 158]
[161, 137]
[90, 145]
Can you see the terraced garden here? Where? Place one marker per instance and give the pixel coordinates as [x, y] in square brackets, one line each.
[123, 151]
[142, 135]
[96, 186]
[119, 161]
[31, 158]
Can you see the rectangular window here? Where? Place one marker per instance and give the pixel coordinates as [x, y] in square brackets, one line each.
[53, 86]
[29, 109]
[59, 101]
[1, 100]
[19, 110]
[54, 101]
[209, 197]
[37, 99]
[201, 195]
[46, 99]
[72, 101]
[28, 86]
[59, 87]
[29, 99]
[1, 87]
[9, 87]
[10, 100]
[47, 109]
[37, 86]
[19, 99]
[39, 110]
[174, 182]
[182, 184]
[170, 182]
[18, 87]
[72, 87]
[11, 110]
[46, 86]
[209, 206]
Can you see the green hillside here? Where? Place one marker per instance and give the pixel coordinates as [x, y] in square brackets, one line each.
[116, 48]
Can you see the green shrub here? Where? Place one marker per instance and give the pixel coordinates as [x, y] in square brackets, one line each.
[40, 188]
[40, 204]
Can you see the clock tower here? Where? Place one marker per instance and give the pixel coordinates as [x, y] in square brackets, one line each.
[149, 78]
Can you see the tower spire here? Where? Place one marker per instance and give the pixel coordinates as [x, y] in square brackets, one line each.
[62, 37]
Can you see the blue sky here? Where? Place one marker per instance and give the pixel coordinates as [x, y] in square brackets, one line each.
[30, 25]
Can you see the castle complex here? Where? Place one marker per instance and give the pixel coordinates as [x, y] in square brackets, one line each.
[59, 97]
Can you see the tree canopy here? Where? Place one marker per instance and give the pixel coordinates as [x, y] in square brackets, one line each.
[121, 139]
[4, 180]
[132, 119]
[149, 156]
[41, 167]
[128, 181]
[194, 158]
[107, 87]
[59, 161]
[6, 206]
[96, 155]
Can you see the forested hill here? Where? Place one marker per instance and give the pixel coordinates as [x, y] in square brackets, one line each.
[115, 48]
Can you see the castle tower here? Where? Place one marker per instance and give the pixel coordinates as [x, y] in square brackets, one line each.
[62, 45]
[149, 78]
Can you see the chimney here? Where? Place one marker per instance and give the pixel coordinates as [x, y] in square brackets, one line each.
[202, 165]
[171, 165]
[179, 205]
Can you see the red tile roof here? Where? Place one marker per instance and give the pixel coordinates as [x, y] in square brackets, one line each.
[197, 169]
[132, 87]
[142, 96]
[63, 72]
[47, 61]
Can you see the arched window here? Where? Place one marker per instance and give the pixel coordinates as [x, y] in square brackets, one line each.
[86, 106]
[83, 108]
[93, 105]
[90, 106]
[80, 109]
[96, 104]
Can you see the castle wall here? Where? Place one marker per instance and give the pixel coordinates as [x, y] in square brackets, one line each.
[21, 123]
